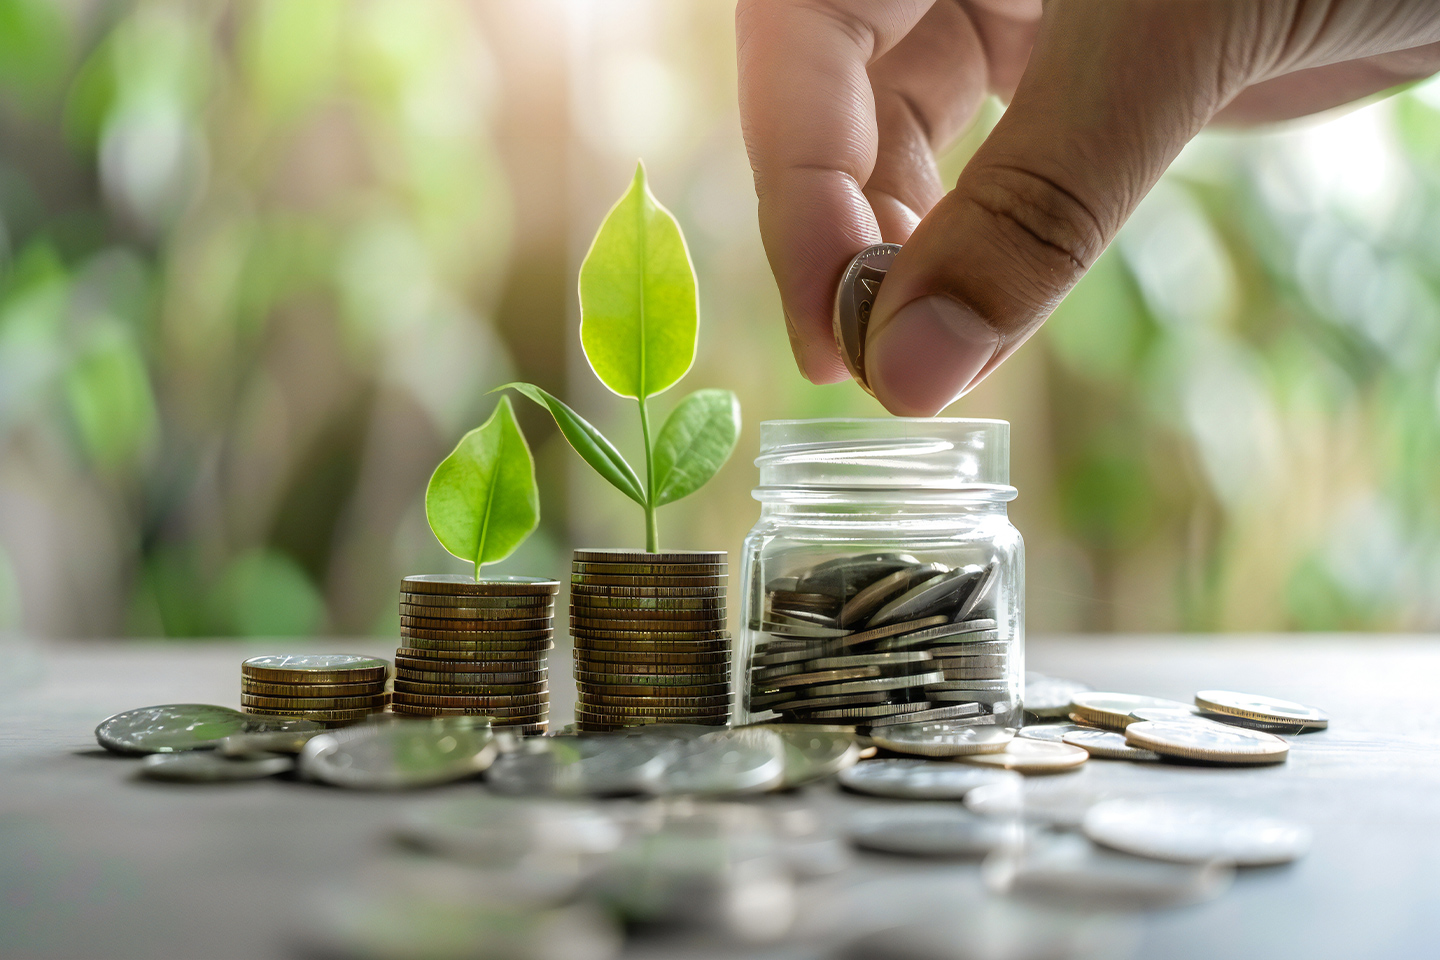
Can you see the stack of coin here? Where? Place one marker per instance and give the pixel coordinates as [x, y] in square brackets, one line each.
[650, 638]
[878, 639]
[330, 688]
[476, 647]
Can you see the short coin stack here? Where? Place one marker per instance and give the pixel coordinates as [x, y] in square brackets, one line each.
[878, 639]
[330, 688]
[476, 648]
[650, 638]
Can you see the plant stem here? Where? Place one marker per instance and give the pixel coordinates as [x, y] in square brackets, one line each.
[652, 532]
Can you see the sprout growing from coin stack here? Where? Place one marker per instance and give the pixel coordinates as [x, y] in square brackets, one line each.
[649, 627]
[476, 645]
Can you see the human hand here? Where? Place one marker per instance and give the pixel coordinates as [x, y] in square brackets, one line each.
[845, 104]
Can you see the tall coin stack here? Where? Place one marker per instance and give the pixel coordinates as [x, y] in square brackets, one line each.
[330, 688]
[650, 638]
[476, 648]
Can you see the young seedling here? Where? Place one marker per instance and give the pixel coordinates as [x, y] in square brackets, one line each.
[482, 501]
[639, 316]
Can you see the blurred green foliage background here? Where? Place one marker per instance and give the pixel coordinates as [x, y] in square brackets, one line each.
[260, 263]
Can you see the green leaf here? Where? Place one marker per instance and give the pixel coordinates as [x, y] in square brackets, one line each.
[587, 441]
[697, 439]
[638, 307]
[482, 501]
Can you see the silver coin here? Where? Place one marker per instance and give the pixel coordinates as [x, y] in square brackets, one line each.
[785, 628]
[966, 686]
[972, 673]
[813, 753]
[1049, 696]
[1207, 741]
[1182, 712]
[1253, 707]
[174, 727]
[854, 299]
[971, 662]
[578, 766]
[877, 683]
[402, 754]
[897, 658]
[491, 832]
[994, 648]
[727, 763]
[793, 616]
[978, 600]
[760, 675]
[277, 741]
[775, 657]
[767, 701]
[920, 779]
[941, 739]
[1194, 833]
[954, 711]
[864, 715]
[804, 702]
[209, 767]
[1054, 732]
[940, 594]
[924, 830]
[864, 604]
[843, 577]
[970, 630]
[1070, 870]
[1108, 745]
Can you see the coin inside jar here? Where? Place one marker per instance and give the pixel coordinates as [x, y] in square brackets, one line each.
[854, 299]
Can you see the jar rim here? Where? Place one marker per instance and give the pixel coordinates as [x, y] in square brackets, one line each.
[896, 453]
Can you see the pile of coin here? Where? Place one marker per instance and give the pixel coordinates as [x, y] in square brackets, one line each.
[650, 638]
[477, 648]
[330, 688]
[878, 639]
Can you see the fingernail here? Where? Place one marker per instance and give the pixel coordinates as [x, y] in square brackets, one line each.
[924, 358]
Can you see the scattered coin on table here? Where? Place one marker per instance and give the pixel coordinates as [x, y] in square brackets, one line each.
[1204, 740]
[1113, 709]
[1050, 731]
[210, 767]
[173, 727]
[400, 755]
[1108, 745]
[925, 830]
[942, 739]
[1050, 696]
[1188, 832]
[1030, 757]
[908, 779]
[1248, 706]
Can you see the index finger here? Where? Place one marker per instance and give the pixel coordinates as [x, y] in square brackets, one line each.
[808, 116]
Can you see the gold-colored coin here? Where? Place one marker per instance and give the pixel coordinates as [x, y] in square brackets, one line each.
[1260, 709]
[674, 659]
[610, 714]
[814, 677]
[500, 716]
[498, 616]
[589, 691]
[513, 690]
[589, 698]
[685, 618]
[460, 585]
[721, 645]
[477, 626]
[587, 568]
[620, 580]
[677, 606]
[643, 556]
[459, 660]
[263, 689]
[473, 679]
[628, 635]
[464, 686]
[489, 640]
[488, 603]
[313, 703]
[1030, 757]
[892, 630]
[1112, 710]
[315, 668]
[324, 716]
[646, 626]
[608, 667]
[515, 651]
[652, 679]
[647, 593]
[506, 706]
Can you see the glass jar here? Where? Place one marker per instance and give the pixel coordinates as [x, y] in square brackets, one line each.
[884, 582]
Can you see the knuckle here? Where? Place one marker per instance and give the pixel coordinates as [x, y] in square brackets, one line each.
[1043, 217]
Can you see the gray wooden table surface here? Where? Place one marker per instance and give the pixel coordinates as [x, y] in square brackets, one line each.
[94, 863]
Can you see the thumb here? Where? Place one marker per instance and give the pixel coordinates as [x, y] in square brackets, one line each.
[1111, 93]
